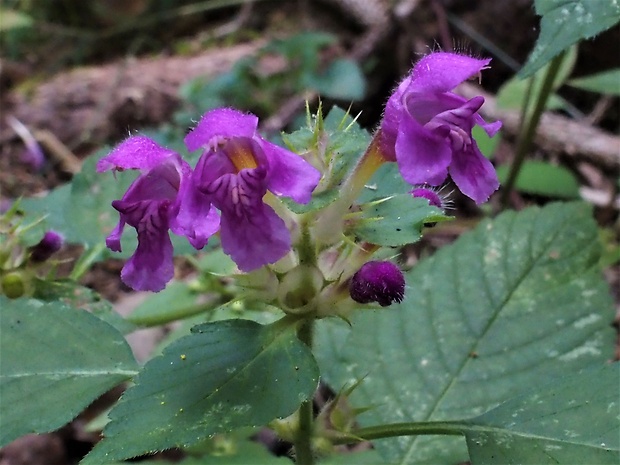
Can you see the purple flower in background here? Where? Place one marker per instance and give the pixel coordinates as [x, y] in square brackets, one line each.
[426, 128]
[234, 173]
[47, 246]
[153, 204]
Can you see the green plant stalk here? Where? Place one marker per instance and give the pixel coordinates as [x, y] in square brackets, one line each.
[445, 428]
[306, 248]
[303, 436]
[529, 131]
[86, 260]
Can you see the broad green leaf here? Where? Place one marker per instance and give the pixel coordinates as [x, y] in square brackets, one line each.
[223, 376]
[543, 178]
[54, 361]
[395, 221]
[517, 301]
[513, 92]
[387, 181]
[566, 22]
[607, 82]
[573, 420]
[343, 80]
[77, 296]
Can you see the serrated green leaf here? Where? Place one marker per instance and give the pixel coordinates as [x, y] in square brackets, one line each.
[54, 361]
[395, 221]
[542, 178]
[573, 420]
[77, 296]
[517, 301]
[607, 82]
[223, 376]
[564, 23]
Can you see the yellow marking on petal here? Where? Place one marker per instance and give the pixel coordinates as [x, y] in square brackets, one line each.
[241, 157]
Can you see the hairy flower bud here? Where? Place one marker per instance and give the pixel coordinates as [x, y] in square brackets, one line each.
[50, 244]
[380, 282]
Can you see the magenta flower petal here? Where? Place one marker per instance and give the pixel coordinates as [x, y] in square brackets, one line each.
[137, 152]
[195, 218]
[151, 266]
[423, 156]
[113, 241]
[490, 128]
[441, 72]
[220, 124]
[289, 174]
[251, 232]
[391, 120]
[473, 174]
[254, 240]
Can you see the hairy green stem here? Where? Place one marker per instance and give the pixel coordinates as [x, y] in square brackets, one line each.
[529, 131]
[404, 429]
[306, 248]
[303, 436]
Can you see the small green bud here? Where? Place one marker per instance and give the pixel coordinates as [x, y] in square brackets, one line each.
[13, 285]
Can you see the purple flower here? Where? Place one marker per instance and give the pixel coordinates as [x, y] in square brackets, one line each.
[426, 128]
[376, 281]
[234, 173]
[154, 203]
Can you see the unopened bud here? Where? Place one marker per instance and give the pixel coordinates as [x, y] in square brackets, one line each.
[13, 285]
[51, 243]
[380, 282]
[434, 199]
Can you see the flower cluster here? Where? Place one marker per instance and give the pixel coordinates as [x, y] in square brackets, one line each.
[225, 192]
[234, 186]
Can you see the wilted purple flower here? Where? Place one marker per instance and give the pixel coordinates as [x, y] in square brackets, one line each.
[427, 128]
[235, 171]
[47, 246]
[376, 281]
[154, 203]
